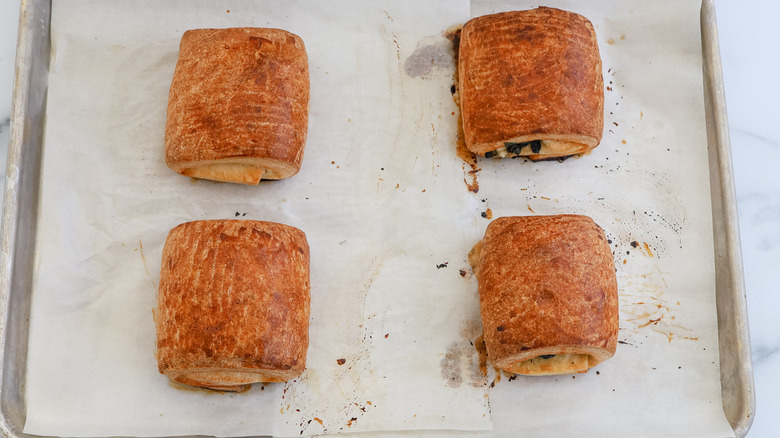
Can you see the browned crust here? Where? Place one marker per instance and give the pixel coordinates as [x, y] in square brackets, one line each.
[547, 286]
[233, 304]
[530, 75]
[238, 96]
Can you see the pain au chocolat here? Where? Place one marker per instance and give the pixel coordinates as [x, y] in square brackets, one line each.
[233, 304]
[238, 107]
[530, 84]
[548, 294]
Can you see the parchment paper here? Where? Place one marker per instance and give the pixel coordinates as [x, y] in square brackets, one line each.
[387, 209]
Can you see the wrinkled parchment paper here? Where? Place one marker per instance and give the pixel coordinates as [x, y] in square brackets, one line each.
[387, 209]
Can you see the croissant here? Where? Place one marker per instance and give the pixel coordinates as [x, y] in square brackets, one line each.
[530, 84]
[238, 105]
[233, 304]
[548, 294]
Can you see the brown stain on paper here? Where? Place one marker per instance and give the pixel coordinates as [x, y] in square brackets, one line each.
[646, 308]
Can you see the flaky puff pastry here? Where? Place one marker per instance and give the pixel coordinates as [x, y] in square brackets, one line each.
[548, 294]
[233, 304]
[238, 108]
[530, 84]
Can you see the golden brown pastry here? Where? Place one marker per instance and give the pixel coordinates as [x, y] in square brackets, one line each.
[238, 108]
[530, 84]
[548, 294]
[233, 305]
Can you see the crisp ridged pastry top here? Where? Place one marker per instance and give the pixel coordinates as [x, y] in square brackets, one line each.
[531, 75]
[233, 305]
[238, 105]
[547, 286]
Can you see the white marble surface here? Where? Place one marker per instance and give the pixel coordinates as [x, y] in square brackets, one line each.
[749, 40]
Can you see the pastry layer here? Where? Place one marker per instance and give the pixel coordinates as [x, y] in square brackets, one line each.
[238, 95]
[547, 286]
[530, 76]
[233, 304]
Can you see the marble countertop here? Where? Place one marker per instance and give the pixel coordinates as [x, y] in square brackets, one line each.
[748, 40]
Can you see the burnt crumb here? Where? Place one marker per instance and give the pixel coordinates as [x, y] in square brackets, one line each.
[484, 214]
[597, 373]
[341, 361]
[547, 356]
[243, 214]
[500, 328]
[493, 384]
[609, 240]
[623, 342]
[453, 89]
[238, 214]
[442, 265]
[462, 273]
[490, 154]
[512, 377]
[634, 244]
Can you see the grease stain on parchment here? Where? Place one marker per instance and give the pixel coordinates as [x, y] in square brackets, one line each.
[644, 307]
[462, 363]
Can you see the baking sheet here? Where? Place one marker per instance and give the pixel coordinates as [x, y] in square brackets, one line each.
[413, 198]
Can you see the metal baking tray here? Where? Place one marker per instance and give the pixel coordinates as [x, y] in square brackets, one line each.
[17, 258]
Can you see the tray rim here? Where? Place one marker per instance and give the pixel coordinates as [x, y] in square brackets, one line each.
[21, 196]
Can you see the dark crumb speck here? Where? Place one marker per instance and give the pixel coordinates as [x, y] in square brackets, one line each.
[634, 244]
[609, 240]
[597, 373]
[513, 377]
[238, 214]
[387, 335]
[484, 214]
[442, 265]
[341, 361]
[462, 273]
[243, 214]
[453, 89]
[500, 328]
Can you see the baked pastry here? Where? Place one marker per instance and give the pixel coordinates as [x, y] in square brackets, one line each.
[233, 304]
[530, 84]
[548, 294]
[238, 108]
